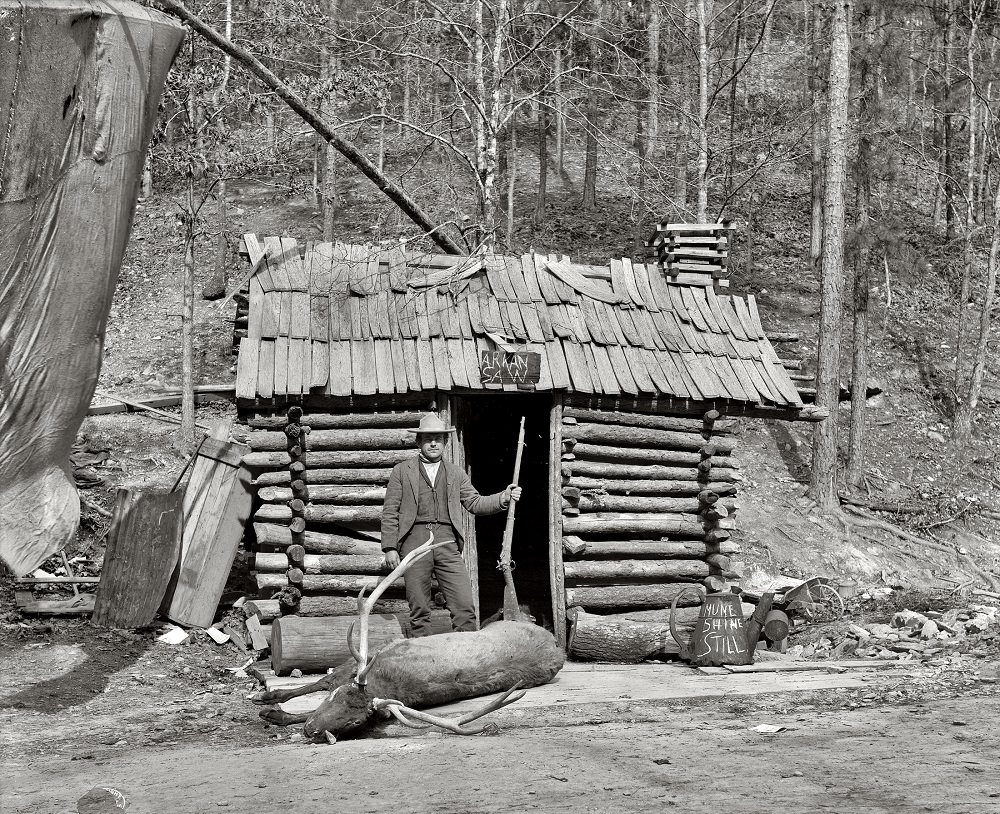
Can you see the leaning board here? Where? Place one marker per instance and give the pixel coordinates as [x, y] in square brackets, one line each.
[216, 507]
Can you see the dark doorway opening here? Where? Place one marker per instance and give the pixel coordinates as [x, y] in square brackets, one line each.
[489, 431]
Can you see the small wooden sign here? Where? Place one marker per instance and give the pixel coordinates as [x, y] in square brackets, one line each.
[503, 367]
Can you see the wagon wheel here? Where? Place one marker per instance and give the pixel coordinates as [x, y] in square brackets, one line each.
[819, 603]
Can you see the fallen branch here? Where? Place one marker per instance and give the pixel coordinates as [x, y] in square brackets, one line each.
[138, 405]
[392, 190]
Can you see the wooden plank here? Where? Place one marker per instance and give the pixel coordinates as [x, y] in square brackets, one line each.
[397, 269]
[341, 379]
[669, 364]
[698, 295]
[691, 309]
[496, 273]
[643, 321]
[269, 314]
[361, 280]
[296, 366]
[620, 365]
[628, 278]
[320, 262]
[655, 371]
[746, 321]
[587, 287]
[532, 324]
[298, 278]
[247, 368]
[442, 369]
[637, 367]
[409, 327]
[255, 252]
[364, 322]
[470, 350]
[413, 379]
[455, 355]
[516, 276]
[425, 362]
[363, 374]
[464, 320]
[300, 325]
[384, 376]
[608, 316]
[724, 366]
[531, 278]
[486, 345]
[320, 354]
[492, 319]
[582, 369]
[757, 325]
[511, 311]
[625, 318]
[546, 282]
[265, 369]
[143, 547]
[379, 319]
[732, 318]
[255, 310]
[641, 275]
[605, 369]
[399, 373]
[275, 264]
[557, 577]
[762, 381]
[319, 318]
[281, 366]
[210, 538]
[558, 371]
[431, 302]
[474, 302]
[598, 330]
[705, 383]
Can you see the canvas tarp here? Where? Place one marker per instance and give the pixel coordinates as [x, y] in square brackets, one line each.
[80, 84]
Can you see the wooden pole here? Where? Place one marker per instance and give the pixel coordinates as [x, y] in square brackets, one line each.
[511, 611]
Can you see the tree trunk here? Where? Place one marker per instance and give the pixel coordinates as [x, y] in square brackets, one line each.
[328, 110]
[703, 12]
[511, 180]
[824, 459]
[816, 132]
[543, 163]
[962, 426]
[557, 85]
[867, 111]
[593, 65]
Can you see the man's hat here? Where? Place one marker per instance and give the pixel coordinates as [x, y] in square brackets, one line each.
[431, 423]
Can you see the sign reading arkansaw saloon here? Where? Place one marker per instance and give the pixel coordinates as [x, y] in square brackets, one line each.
[504, 367]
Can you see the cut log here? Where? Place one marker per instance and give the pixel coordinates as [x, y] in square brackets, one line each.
[360, 516]
[633, 596]
[337, 495]
[594, 638]
[617, 435]
[598, 502]
[322, 563]
[618, 571]
[266, 610]
[720, 561]
[315, 644]
[263, 440]
[323, 476]
[621, 471]
[342, 583]
[330, 458]
[664, 488]
[325, 421]
[653, 422]
[682, 525]
[256, 634]
[315, 542]
[638, 455]
[679, 549]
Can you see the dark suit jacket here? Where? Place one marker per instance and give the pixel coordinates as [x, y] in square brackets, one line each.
[400, 508]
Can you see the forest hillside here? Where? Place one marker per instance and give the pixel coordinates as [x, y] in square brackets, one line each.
[853, 147]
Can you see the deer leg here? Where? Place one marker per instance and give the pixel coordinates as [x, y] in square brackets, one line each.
[279, 717]
[460, 726]
[327, 683]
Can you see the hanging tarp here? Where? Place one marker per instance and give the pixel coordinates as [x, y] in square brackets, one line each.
[80, 83]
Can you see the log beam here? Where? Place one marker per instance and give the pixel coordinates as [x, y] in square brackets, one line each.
[342, 583]
[625, 471]
[263, 440]
[322, 563]
[315, 542]
[618, 571]
[653, 422]
[336, 495]
[648, 524]
[638, 455]
[326, 476]
[330, 458]
[671, 549]
[663, 488]
[617, 435]
[346, 421]
[634, 596]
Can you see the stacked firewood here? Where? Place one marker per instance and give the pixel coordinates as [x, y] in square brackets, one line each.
[647, 514]
[321, 482]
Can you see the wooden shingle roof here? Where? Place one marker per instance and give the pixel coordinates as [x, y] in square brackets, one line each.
[343, 320]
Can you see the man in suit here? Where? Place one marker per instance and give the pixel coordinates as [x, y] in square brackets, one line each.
[427, 495]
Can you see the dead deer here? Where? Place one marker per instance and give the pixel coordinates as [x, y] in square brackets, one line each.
[410, 673]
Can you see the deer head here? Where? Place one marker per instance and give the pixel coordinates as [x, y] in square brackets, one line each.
[349, 708]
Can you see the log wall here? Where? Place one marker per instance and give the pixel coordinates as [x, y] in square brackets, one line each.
[321, 482]
[648, 507]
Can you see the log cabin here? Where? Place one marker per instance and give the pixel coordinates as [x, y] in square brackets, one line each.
[629, 376]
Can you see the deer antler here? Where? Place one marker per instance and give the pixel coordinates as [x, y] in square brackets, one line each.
[459, 726]
[361, 654]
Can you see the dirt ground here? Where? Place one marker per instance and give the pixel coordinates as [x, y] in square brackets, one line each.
[903, 753]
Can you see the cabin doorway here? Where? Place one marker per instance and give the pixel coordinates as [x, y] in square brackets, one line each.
[489, 426]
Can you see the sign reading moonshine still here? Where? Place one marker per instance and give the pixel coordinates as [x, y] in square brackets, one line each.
[503, 367]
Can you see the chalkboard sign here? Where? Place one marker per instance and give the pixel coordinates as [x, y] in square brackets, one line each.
[502, 367]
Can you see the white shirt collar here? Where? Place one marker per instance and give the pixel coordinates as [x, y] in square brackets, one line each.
[431, 469]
